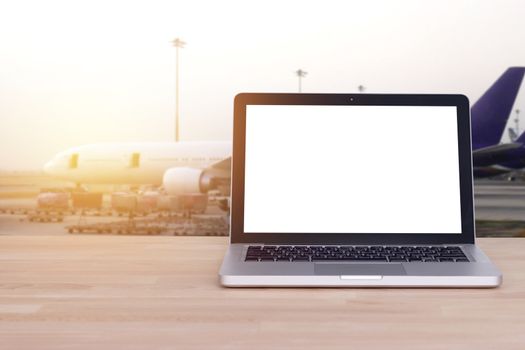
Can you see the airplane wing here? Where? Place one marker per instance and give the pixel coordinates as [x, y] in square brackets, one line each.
[496, 154]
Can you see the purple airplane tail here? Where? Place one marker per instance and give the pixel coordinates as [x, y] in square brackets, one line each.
[491, 112]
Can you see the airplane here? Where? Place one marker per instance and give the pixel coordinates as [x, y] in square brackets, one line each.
[489, 117]
[198, 167]
[179, 167]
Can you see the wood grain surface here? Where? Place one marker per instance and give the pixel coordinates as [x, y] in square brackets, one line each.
[120, 292]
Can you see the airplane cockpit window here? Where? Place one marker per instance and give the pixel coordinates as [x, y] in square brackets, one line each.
[134, 161]
[73, 161]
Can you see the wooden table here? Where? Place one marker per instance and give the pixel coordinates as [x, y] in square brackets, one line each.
[112, 292]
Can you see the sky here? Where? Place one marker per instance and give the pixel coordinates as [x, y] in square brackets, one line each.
[79, 72]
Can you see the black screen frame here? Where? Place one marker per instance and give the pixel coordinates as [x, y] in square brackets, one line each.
[461, 102]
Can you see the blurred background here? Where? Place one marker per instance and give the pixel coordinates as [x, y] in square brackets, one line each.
[117, 75]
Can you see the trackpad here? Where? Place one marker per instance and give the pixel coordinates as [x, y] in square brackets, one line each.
[359, 269]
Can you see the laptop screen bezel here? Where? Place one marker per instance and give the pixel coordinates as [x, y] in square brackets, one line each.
[461, 102]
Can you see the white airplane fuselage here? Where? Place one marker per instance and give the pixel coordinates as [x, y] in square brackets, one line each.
[133, 163]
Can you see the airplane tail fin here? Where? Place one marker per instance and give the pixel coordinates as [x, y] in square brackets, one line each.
[491, 112]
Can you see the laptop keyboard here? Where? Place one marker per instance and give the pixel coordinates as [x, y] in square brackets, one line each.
[356, 253]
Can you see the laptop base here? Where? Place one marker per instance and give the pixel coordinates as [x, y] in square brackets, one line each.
[480, 272]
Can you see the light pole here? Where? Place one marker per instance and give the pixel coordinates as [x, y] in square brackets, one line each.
[300, 74]
[178, 44]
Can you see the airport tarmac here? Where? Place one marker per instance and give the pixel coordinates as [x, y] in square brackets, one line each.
[500, 211]
[21, 216]
[501, 200]
[213, 223]
[20, 225]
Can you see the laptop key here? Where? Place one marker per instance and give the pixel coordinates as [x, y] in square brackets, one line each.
[283, 258]
[330, 257]
[301, 258]
[318, 258]
[445, 259]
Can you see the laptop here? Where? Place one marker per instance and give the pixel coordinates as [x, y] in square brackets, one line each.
[361, 190]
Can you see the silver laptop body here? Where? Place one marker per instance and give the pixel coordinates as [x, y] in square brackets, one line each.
[339, 190]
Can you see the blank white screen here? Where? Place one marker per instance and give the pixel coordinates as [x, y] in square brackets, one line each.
[351, 169]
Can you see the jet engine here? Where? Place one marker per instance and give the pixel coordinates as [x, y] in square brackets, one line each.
[183, 180]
